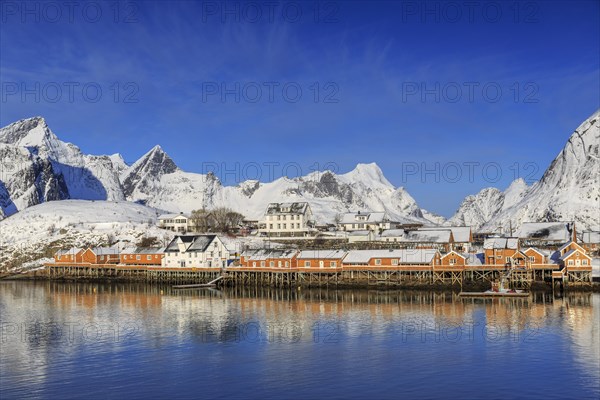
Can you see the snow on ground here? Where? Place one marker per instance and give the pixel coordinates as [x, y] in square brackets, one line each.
[76, 223]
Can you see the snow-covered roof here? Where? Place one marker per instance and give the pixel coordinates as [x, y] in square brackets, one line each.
[405, 256]
[359, 233]
[264, 254]
[197, 243]
[322, 254]
[539, 251]
[455, 253]
[149, 250]
[461, 234]
[570, 253]
[101, 251]
[371, 217]
[173, 216]
[397, 233]
[590, 237]
[428, 236]
[555, 231]
[72, 250]
[287, 208]
[500, 243]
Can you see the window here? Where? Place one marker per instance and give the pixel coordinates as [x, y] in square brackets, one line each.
[138, 257]
[531, 259]
[394, 261]
[284, 226]
[333, 264]
[570, 262]
[278, 226]
[270, 226]
[507, 260]
[254, 263]
[149, 258]
[378, 261]
[307, 264]
[287, 264]
[584, 262]
[272, 264]
[124, 257]
[262, 263]
[452, 261]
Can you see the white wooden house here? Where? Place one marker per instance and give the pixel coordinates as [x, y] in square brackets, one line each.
[196, 251]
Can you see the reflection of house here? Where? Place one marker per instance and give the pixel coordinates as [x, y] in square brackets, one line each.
[142, 256]
[175, 222]
[196, 251]
[360, 221]
[321, 258]
[287, 219]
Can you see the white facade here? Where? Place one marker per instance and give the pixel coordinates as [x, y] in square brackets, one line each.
[175, 222]
[196, 251]
[361, 221]
[287, 219]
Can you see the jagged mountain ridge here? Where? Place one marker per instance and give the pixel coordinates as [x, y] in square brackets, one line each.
[569, 190]
[50, 169]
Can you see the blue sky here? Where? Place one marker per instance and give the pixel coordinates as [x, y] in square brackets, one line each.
[413, 86]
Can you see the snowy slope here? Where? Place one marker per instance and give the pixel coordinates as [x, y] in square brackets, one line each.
[38, 167]
[77, 223]
[569, 190]
[477, 210]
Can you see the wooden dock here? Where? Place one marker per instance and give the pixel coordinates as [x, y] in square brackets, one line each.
[493, 294]
[210, 284]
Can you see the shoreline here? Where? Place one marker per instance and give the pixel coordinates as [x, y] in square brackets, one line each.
[470, 286]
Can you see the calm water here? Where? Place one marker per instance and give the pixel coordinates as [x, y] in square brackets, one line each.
[137, 341]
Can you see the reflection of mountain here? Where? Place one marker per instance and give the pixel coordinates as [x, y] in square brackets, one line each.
[163, 322]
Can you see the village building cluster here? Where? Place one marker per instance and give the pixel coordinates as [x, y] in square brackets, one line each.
[386, 244]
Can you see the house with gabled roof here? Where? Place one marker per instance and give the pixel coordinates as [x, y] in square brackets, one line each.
[499, 250]
[361, 221]
[180, 223]
[100, 255]
[72, 255]
[287, 219]
[269, 258]
[196, 251]
[392, 258]
[321, 258]
[151, 256]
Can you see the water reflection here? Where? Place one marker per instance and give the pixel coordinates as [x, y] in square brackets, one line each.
[52, 332]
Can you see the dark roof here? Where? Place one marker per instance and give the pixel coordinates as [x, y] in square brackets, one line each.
[196, 243]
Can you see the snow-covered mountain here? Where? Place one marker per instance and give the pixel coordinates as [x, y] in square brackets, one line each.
[38, 167]
[569, 190]
[476, 210]
[156, 181]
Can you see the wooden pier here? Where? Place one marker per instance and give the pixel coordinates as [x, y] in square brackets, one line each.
[319, 277]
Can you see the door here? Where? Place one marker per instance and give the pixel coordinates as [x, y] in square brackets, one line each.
[321, 264]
